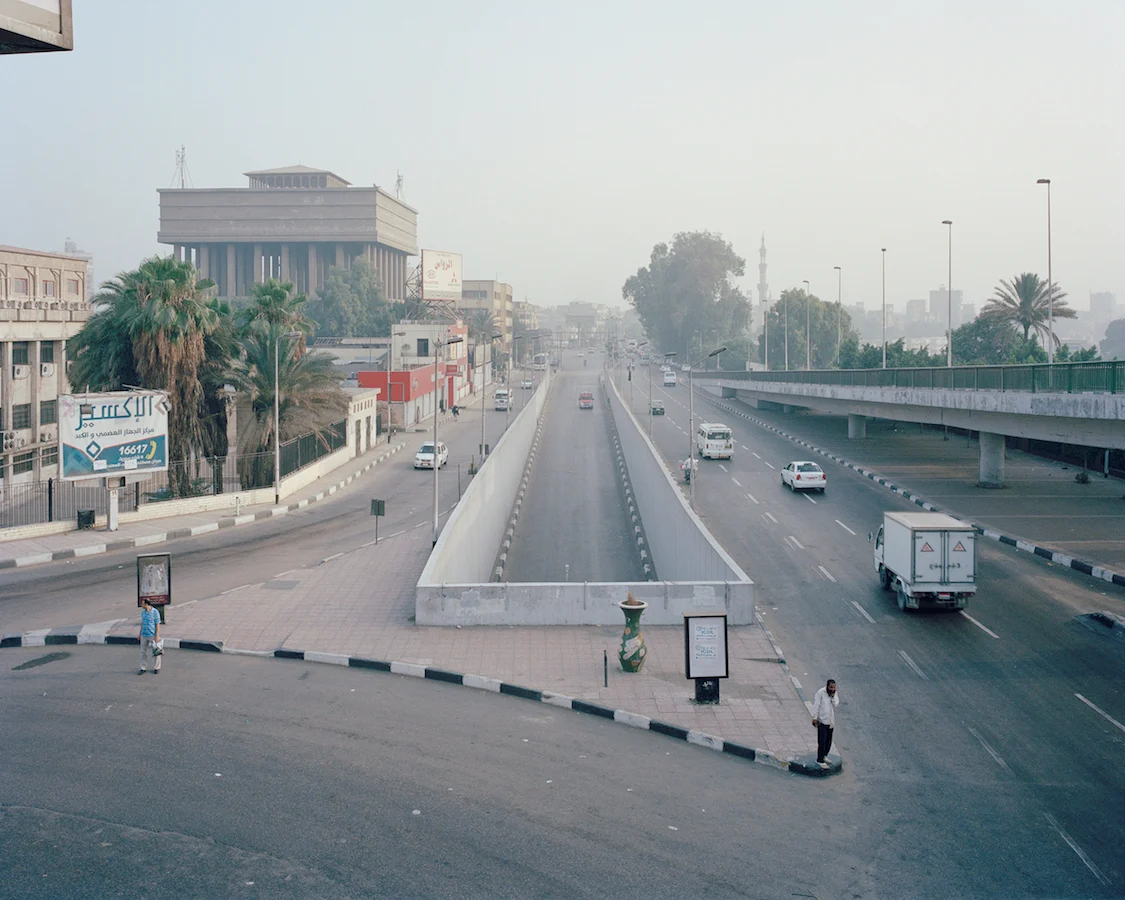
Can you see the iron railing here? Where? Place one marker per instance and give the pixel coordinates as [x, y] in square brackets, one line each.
[54, 500]
[1065, 378]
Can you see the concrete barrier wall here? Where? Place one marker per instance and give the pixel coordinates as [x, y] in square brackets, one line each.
[682, 548]
[578, 603]
[468, 544]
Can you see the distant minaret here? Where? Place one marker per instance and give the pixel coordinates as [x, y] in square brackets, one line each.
[763, 284]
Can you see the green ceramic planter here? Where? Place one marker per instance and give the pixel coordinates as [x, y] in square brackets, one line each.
[633, 650]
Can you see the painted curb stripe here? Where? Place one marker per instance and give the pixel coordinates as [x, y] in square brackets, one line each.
[443, 675]
[358, 662]
[289, 654]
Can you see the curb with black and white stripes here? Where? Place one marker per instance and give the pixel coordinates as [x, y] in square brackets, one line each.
[514, 516]
[97, 635]
[627, 487]
[177, 533]
[1060, 559]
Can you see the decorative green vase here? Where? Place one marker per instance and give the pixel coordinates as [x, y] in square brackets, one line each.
[633, 650]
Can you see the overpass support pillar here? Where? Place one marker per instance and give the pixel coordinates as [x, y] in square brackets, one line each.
[857, 427]
[991, 460]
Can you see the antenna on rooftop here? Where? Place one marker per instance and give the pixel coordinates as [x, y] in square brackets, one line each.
[182, 174]
[400, 193]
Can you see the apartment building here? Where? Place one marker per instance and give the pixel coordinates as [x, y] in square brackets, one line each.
[496, 297]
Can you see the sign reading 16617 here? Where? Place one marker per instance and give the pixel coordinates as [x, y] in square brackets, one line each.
[113, 433]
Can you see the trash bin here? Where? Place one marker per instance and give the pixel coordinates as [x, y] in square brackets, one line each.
[85, 518]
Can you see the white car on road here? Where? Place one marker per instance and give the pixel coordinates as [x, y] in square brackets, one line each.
[424, 458]
[802, 475]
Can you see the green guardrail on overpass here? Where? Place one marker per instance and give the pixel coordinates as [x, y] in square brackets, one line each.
[1064, 378]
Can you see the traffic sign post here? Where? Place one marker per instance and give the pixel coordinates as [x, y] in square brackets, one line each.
[379, 508]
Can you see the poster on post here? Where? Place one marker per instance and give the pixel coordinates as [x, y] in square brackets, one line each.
[154, 579]
[705, 645]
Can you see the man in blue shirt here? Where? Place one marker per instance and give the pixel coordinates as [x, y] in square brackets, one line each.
[150, 634]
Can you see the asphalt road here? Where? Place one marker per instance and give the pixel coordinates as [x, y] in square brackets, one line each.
[573, 524]
[101, 588]
[1000, 729]
[243, 777]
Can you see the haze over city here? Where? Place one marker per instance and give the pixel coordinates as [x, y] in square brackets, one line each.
[554, 147]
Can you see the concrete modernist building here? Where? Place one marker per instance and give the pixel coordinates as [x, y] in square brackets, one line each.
[42, 305]
[496, 297]
[292, 224]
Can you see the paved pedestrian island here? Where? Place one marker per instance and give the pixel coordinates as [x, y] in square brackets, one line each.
[361, 604]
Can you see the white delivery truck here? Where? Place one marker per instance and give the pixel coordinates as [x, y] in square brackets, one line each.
[927, 557]
[500, 399]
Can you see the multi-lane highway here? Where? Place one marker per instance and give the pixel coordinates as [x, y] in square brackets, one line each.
[573, 524]
[1000, 727]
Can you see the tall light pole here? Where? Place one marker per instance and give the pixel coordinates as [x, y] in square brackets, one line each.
[949, 298]
[786, 295]
[839, 311]
[808, 326]
[438, 345]
[765, 332]
[483, 400]
[508, 380]
[884, 307]
[277, 417]
[631, 367]
[691, 419]
[390, 357]
[1050, 280]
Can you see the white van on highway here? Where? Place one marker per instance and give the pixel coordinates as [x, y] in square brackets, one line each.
[713, 440]
[669, 378]
[500, 399]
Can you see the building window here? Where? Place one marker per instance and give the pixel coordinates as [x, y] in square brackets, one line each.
[19, 353]
[72, 286]
[25, 462]
[49, 456]
[47, 352]
[304, 181]
[48, 289]
[289, 181]
[324, 181]
[21, 416]
[48, 412]
[423, 346]
[19, 286]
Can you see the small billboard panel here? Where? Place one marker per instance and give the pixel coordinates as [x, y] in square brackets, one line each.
[441, 275]
[32, 26]
[119, 433]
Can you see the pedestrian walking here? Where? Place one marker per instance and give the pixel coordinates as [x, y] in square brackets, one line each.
[149, 635]
[824, 719]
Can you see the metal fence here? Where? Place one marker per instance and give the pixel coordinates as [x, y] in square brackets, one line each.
[1065, 378]
[55, 500]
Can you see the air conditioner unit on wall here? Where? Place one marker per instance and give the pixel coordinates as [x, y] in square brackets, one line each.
[21, 371]
[9, 440]
[46, 437]
[46, 369]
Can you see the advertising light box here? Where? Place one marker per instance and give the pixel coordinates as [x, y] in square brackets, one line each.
[120, 433]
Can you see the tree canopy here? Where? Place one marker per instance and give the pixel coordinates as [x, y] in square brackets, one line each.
[1025, 302]
[826, 321]
[689, 287]
[352, 303]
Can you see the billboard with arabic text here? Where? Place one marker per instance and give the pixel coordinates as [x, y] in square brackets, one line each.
[120, 433]
[441, 275]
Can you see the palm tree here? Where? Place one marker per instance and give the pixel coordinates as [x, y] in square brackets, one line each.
[277, 303]
[482, 322]
[1023, 303]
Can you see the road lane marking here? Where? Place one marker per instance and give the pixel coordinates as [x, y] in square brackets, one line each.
[913, 665]
[1100, 712]
[332, 557]
[772, 467]
[752, 453]
[278, 575]
[752, 497]
[826, 574]
[770, 517]
[747, 449]
[987, 631]
[1073, 846]
[233, 589]
[996, 756]
[736, 481]
[810, 499]
[863, 612]
[845, 527]
[799, 545]
[721, 466]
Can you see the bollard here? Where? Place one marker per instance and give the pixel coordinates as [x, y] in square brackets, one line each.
[605, 666]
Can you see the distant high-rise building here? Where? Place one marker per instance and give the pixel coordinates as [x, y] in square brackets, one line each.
[1103, 306]
[763, 283]
[939, 303]
[915, 310]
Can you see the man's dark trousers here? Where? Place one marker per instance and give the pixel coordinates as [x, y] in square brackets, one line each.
[823, 741]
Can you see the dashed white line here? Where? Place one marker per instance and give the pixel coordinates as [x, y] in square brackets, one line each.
[826, 574]
[987, 631]
[736, 481]
[770, 517]
[797, 543]
[810, 499]
[1100, 712]
[845, 527]
[996, 756]
[772, 467]
[752, 498]
[913, 665]
[1073, 846]
[744, 447]
[863, 612]
[752, 453]
[721, 466]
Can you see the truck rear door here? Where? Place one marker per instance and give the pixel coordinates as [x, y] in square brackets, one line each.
[960, 557]
[929, 557]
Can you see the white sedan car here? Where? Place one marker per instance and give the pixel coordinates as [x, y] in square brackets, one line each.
[424, 458]
[527, 384]
[686, 367]
[802, 475]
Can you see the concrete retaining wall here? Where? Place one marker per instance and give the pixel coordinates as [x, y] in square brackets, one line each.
[468, 544]
[578, 603]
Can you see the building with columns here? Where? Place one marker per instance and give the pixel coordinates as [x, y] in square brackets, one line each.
[293, 224]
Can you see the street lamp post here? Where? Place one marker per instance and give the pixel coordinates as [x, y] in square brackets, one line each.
[277, 417]
[390, 357]
[839, 311]
[786, 330]
[808, 326]
[765, 332]
[483, 401]
[949, 298]
[1050, 280]
[438, 345]
[884, 307]
[691, 420]
[508, 380]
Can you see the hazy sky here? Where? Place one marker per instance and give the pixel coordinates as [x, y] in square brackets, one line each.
[554, 144]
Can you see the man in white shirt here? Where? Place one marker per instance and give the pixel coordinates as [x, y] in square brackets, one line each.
[824, 718]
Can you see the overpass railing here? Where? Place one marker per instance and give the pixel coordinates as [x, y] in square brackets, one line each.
[1065, 378]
